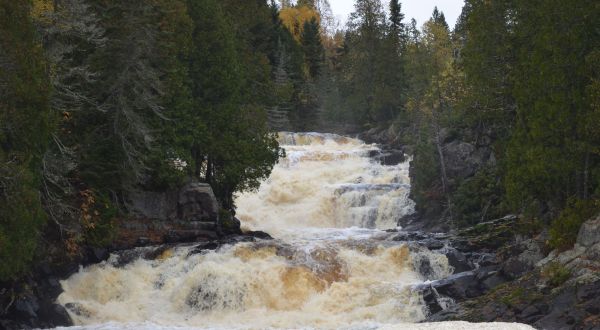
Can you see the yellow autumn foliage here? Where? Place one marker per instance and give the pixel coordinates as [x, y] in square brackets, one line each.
[294, 18]
[40, 7]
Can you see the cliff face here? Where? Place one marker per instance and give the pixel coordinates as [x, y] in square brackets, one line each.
[444, 176]
[188, 214]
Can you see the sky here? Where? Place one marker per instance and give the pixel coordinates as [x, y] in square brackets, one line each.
[418, 9]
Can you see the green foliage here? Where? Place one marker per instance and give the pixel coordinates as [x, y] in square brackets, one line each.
[565, 228]
[142, 90]
[479, 198]
[21, 218]
[551, 150]
[426, 187]
[100, 229]
[234, 151]
[310, 40]
[487, 58]
[25, 124]
[556, 274]
[514, 297]
[519, 78]
[371, 73]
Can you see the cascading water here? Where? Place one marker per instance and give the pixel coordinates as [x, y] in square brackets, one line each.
[327, 181]
[332, 264]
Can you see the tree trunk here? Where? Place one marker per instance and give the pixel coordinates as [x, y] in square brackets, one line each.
[586, 174]
[209, 170]
[438, 145]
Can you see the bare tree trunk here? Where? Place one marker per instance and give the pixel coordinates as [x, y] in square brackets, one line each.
[198, 161]
[586, 175]
[438, 145]
[209, 169]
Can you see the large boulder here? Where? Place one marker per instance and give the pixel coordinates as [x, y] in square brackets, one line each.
[187, 214]
[197, 202]
[154, 205]
[464, 159]
[193, 202]
[522, 257]
[583, 260]
[589, 234]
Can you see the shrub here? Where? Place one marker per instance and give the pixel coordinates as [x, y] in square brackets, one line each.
[556, 274]
[564, 229]
[98, 216]
[479, 198]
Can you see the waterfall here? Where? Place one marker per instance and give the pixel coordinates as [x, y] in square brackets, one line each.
[331, 265]
[327, 181]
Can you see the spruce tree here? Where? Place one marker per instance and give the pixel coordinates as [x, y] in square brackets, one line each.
[396, 16]
[312, 47]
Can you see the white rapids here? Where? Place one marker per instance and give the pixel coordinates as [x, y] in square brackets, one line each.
[332, 264]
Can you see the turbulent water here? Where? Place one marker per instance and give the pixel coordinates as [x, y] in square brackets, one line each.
[332, 264]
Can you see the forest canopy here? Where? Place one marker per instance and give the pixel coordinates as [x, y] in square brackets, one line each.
[99, 98]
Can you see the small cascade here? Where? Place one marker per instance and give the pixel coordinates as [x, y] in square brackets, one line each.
[327, 181]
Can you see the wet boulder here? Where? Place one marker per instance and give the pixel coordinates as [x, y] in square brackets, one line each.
[27, 306]
[56, 315]
[457, 260]
[459, 286]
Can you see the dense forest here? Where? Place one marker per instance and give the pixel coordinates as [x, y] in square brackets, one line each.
[102, 97]
[517, 81]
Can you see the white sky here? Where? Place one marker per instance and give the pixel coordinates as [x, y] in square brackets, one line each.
[418, 9]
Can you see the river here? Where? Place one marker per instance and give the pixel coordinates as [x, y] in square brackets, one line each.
[335, 262]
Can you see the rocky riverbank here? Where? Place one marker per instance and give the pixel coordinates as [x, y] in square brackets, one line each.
[504, 271]
[510, 278]
[188, 214]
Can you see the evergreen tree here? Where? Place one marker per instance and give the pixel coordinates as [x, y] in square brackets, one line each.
[439, 18]
[364, 41]
[551, 151]
[312, 47]
[396, 16]
[25, 128]
[234, 151]
[488, 59]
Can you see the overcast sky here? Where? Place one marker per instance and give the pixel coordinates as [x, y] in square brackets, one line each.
[419, 9]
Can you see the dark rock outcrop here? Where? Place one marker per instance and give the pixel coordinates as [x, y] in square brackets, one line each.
[197, 202]
[193, 202]
[463, 159]
[189, 214]
[560, 291]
